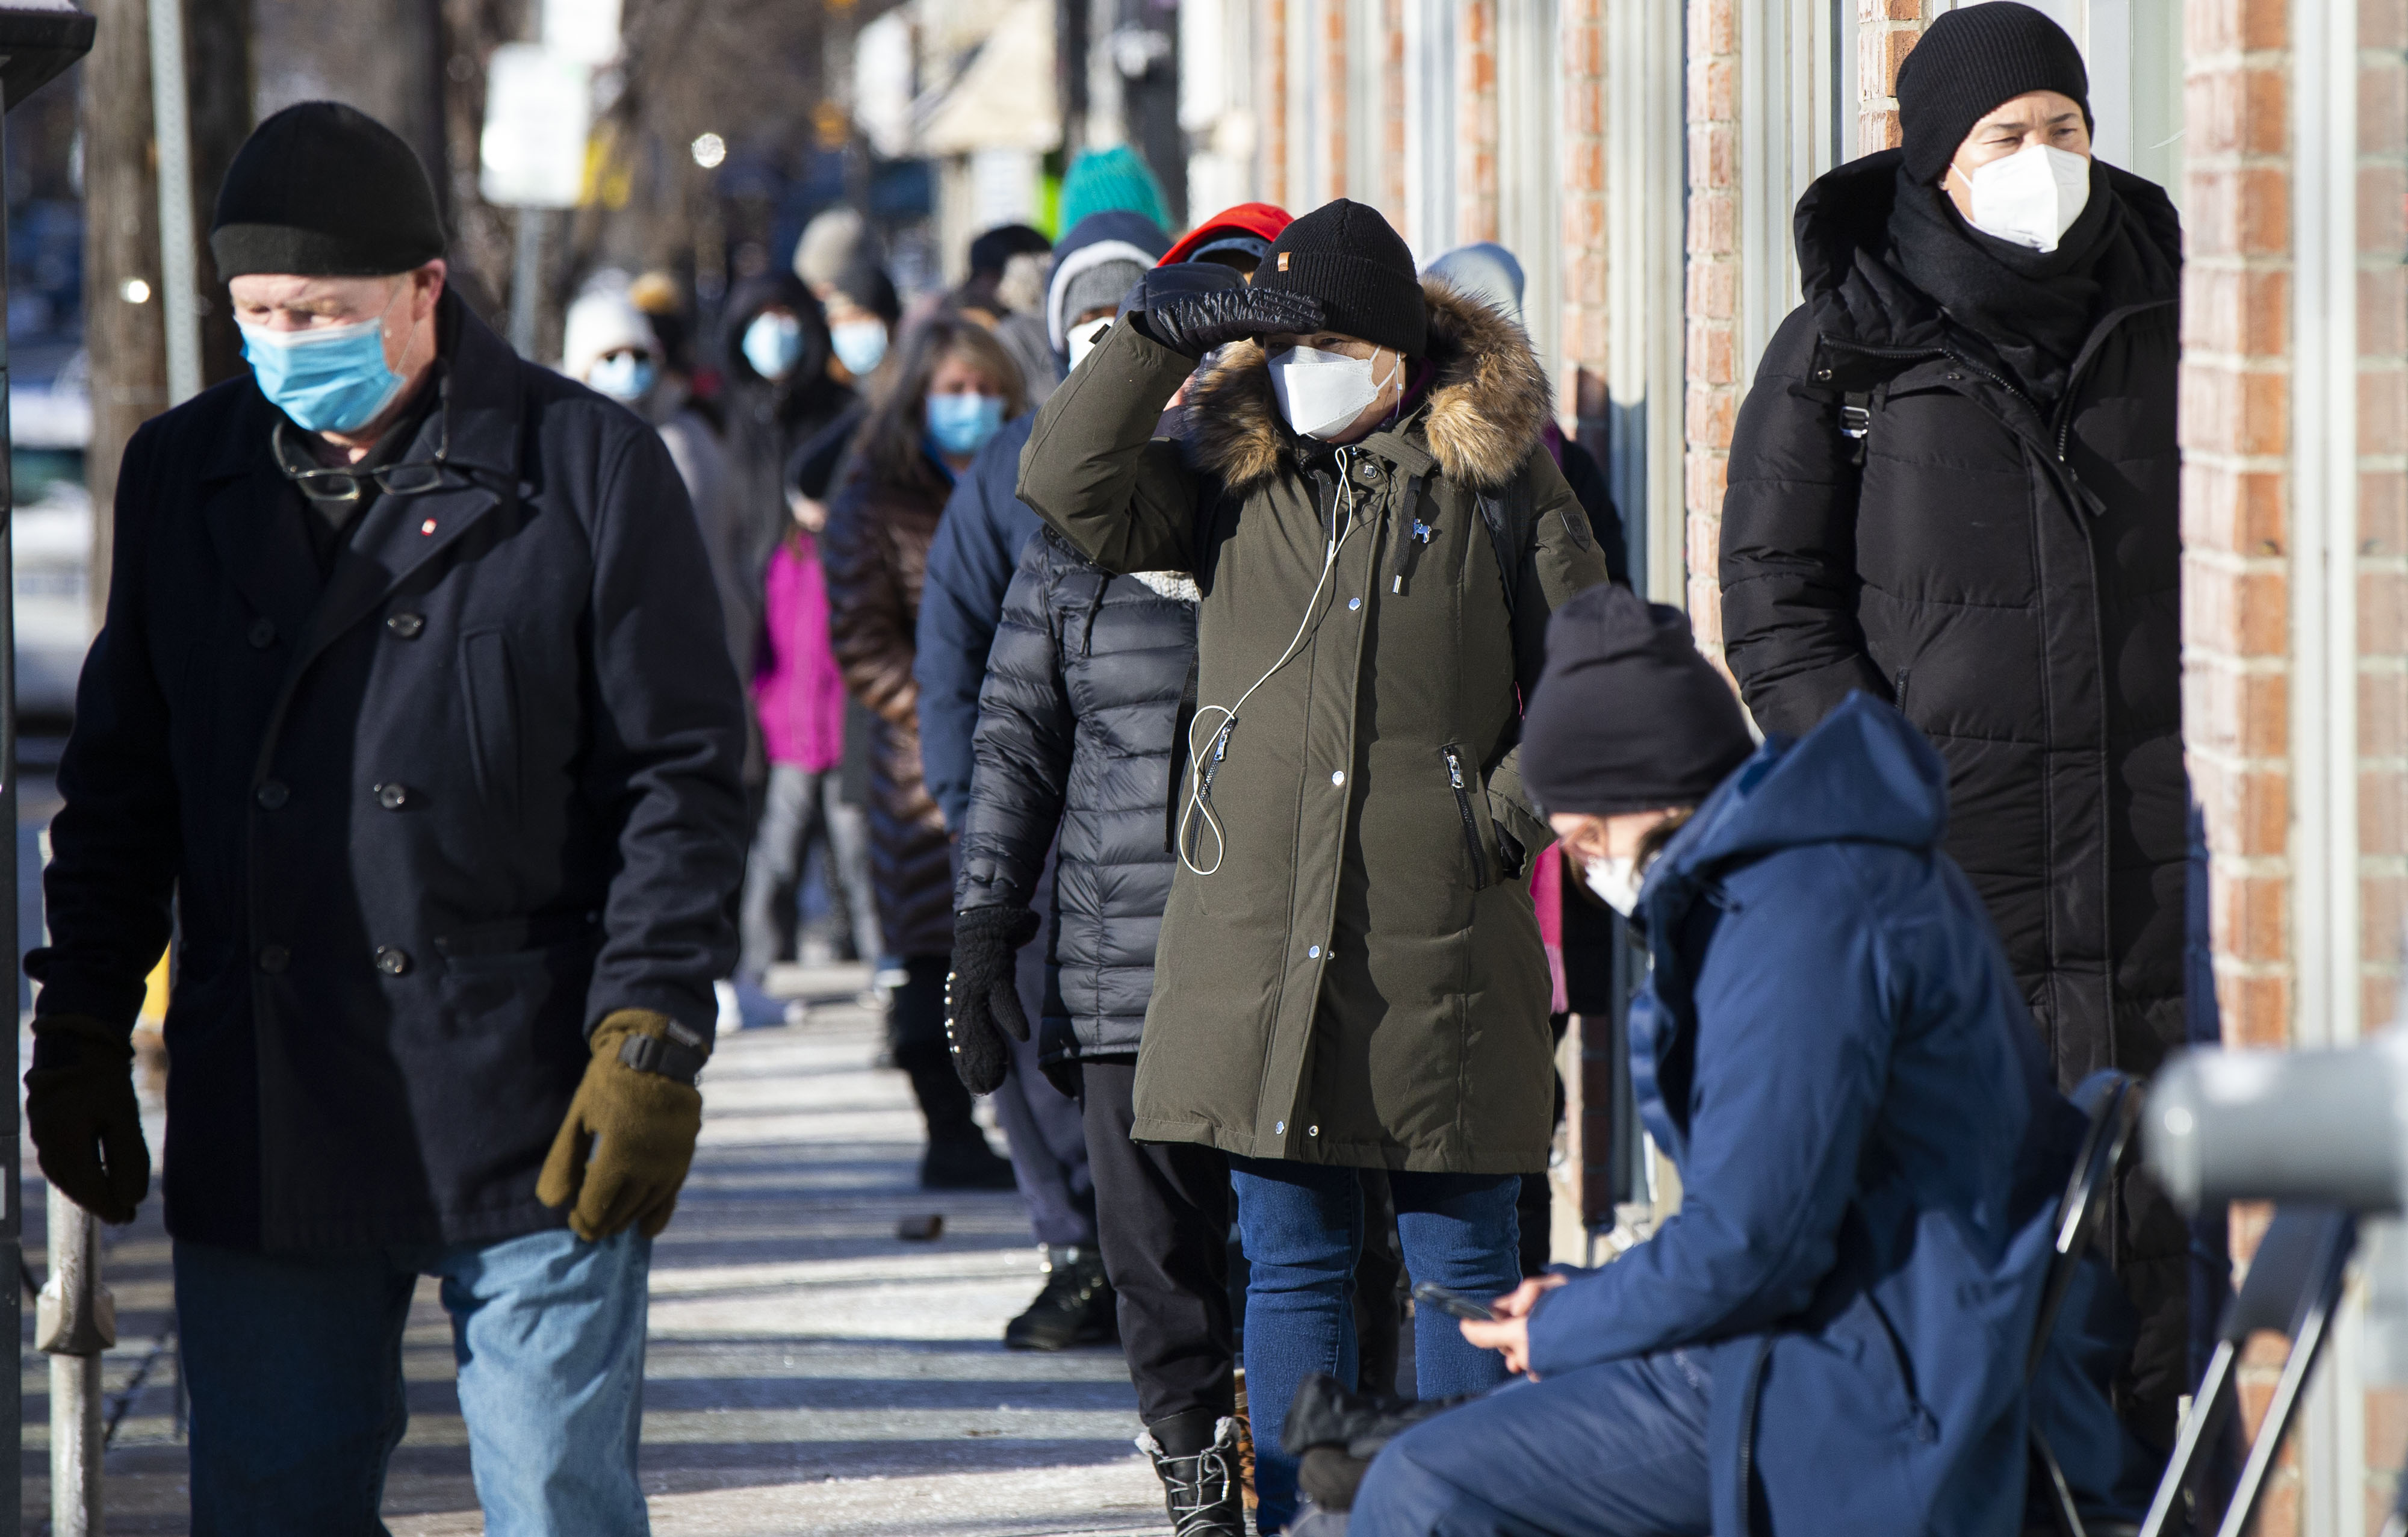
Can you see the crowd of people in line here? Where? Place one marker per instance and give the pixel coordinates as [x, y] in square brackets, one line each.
[1202, 677]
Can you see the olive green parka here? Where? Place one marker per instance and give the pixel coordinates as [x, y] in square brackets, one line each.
[1358, 980]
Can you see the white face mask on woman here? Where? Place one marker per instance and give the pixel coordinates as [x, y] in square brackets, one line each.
[2030, 197]
[1616, 880]
[1322, 393]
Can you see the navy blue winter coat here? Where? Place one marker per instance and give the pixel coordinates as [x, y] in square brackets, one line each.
[1834, 1052]
[970, 569]
[422, 823]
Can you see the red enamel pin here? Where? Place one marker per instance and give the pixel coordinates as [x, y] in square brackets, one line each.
[426, 527]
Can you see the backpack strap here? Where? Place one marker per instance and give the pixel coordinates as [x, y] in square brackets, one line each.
[1855, 421]
[1512, 524]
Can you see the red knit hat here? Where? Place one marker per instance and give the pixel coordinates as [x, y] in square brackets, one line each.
[1263, 220]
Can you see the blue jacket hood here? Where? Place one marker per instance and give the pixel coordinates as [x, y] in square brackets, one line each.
[1863, 776]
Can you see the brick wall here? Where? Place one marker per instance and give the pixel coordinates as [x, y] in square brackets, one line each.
[1586, 325]
[1391, 197]
[2235, 436]
[1335, 99]
[2382, 299]
[1711, 342]
[1271, 39]
[1475, 116]
[1886, 31]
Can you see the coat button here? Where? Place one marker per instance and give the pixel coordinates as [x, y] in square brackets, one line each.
[392, 960]
[1279, 1130]
[1338, 776]
[392, 797]
[273, 794]
[262, 632]
[1313, 1131]
[1314, 953]
[407, 625]
[274, 958]
[1354, 603]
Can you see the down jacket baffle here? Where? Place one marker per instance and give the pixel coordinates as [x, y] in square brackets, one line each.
[1077, 729]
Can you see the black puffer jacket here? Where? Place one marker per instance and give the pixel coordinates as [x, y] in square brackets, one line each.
[1077, 724]
[2008, 576]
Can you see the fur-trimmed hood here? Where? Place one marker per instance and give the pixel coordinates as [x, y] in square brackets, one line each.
[1481, 415]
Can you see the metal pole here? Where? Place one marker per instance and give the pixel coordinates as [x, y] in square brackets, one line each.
[179, 276]
[74, 1322]
[526, 282]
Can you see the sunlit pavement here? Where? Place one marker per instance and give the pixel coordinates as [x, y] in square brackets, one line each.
[808, 1371]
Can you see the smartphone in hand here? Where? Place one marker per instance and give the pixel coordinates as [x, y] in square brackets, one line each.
[1453, 1304]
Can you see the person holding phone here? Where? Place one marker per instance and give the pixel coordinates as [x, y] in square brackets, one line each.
[1832, 1049]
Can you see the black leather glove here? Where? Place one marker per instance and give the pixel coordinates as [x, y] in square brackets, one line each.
[82, 1116]
[1176, 315]
[1064, 1074]
[982, 991]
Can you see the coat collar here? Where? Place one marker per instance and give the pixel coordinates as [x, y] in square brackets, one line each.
[476, 428]
[1861, 301]
[1481, 415]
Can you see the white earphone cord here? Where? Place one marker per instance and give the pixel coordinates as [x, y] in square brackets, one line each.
[1219, 742]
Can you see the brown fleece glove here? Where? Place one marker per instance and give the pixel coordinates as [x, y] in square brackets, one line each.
[81, 1110]
[624, 1151]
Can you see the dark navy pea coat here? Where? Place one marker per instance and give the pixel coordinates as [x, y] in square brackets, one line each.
[419, 821]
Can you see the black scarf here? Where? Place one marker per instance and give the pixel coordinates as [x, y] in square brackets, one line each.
[2035, 310]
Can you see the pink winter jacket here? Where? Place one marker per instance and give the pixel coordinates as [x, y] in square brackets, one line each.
[796, 686]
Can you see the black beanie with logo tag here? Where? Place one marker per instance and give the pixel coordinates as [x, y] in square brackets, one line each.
[321, 189]
[1969, 64]
[1345, 255]
[1627, 716]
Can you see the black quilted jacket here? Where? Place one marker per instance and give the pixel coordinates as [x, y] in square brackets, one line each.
[1077, 723]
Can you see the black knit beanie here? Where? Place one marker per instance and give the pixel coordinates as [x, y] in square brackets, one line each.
[321, 189]
[1345, 255]
[1969, 61]
[1627, 716]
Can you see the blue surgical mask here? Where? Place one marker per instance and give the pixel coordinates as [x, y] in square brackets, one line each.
[860, 346]
[330, 379]
[773, 344]
[623, 376]
[960, 425]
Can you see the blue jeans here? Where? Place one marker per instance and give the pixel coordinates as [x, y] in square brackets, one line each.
[1612, 1450]
[293, 1364]
[1301, 1224]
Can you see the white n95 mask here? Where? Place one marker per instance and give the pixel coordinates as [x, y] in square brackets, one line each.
[2032, 197]
[1083, 339]
[1321, 392]
[1615, 881]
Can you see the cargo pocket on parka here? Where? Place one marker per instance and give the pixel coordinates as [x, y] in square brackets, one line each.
[491, 696]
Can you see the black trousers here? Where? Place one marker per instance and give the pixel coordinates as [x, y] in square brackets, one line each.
[1162, 1215]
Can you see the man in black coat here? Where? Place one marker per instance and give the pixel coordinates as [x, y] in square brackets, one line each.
[412, 721]
[1955, 487]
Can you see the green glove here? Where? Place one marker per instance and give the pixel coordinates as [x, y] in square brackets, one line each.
[81, 1111]
[624, 1151]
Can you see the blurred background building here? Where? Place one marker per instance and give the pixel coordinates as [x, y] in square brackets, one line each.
[1640, 156]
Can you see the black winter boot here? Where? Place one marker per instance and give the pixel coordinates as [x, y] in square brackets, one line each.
[1198, 1470]
[1077, 1306]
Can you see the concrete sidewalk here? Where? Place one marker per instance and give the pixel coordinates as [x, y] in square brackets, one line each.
[808, 1372]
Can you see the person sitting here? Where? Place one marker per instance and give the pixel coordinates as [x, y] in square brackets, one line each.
[1830, 1335]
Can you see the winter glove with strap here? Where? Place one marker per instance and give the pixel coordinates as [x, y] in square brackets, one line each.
[81, 1111]
[1185, 320]
[623, 1151]
[983, 992]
